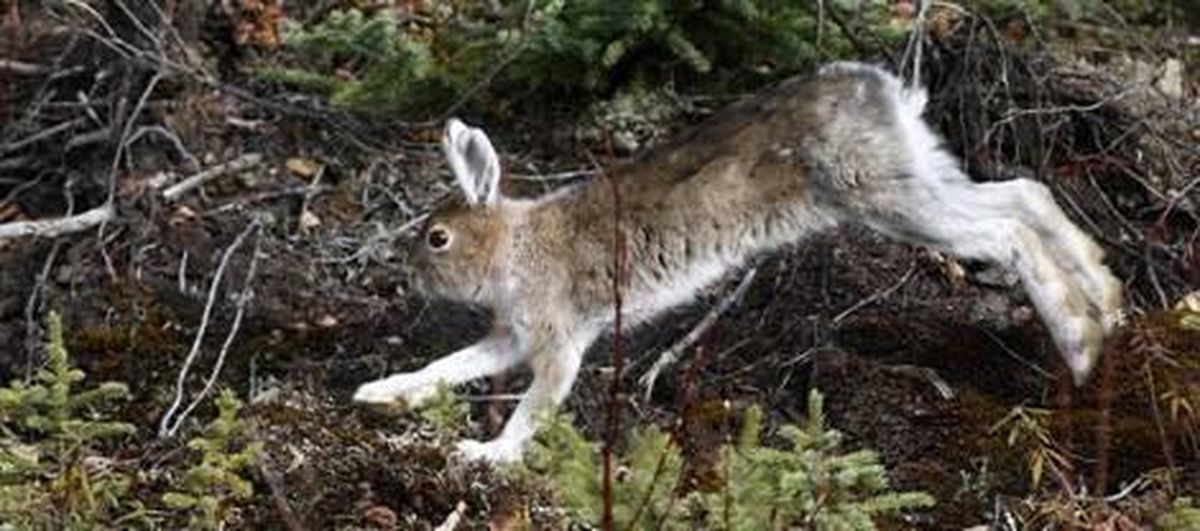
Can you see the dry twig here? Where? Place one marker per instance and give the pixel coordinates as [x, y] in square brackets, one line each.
[274, 481]
[241, 163]
[49, 228]
[43, 135]
[881, 294]
[20, 67]
[620, 269]
[169, 424]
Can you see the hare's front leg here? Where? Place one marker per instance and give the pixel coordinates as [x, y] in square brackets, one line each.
[555, 359]
[492, 355]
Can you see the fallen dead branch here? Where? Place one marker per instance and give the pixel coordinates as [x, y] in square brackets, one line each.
[50, 228]
[241, 163]
[43, 135]
[20, 67]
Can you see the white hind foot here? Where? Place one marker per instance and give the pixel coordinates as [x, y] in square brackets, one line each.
[1073, 250]
[1083, 352]
[1111, 315]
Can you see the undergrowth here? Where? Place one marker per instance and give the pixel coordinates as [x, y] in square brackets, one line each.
[586, 49]
[53, 472]
[812, 484]
[211, 486]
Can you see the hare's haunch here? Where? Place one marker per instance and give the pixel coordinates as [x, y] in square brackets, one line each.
[845, 145]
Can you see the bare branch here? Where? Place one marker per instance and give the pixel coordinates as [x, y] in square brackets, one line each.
[43, 135]
[242, 300]
[561, 176]
[241, 163]
[167, 428]
[19, 67]
[49, 228]
[192, 162]
[32, 332]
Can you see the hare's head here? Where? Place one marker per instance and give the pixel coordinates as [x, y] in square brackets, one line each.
[458, 245]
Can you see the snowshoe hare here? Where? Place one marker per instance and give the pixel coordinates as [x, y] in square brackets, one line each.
[845, 145]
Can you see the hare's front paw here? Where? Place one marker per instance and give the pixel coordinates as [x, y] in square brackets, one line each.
[495, 451]
[400, 389]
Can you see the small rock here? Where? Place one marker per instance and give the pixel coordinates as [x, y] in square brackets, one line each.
[64, 274]
[996, 276]
[381, 517]
[1189, 302]
[1171, 80]
[309, 221]
[327, 321]
[181, 215]
[302, 167]
[160, 180]
[991, 309]
[625, 142]
[1022, 315]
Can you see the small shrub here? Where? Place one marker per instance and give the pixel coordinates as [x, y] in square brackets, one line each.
[392, 72]
[644, 494]
[733, 45]
[811, 485]
[1028, 428]
[213, 484]
[580, 50]
[52, 474]
[447, 413]
[1184, 515]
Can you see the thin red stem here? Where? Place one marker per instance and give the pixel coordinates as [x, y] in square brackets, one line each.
[618, 361]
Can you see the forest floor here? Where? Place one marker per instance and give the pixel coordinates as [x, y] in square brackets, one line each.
[919, 355]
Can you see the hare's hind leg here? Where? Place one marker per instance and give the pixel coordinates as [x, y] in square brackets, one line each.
[950, 215]
[492, 355]
[1077, 253]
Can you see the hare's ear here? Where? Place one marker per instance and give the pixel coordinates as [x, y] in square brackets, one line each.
[473, 161]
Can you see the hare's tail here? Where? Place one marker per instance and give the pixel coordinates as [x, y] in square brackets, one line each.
[910, 100]
[928, 159]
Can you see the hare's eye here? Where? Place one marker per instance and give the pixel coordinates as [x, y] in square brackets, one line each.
[438, 238]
